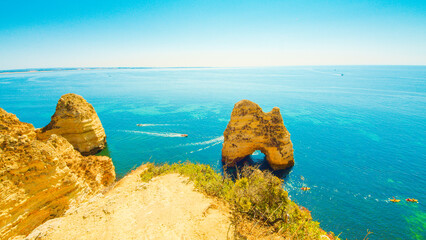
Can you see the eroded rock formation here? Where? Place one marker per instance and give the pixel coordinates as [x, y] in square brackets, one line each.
[251, 129]
[41, 179]
[76, 120]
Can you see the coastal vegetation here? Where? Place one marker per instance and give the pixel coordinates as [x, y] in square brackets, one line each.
[260, 205]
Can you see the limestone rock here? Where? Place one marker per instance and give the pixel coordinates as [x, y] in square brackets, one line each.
[251, 129]
[41, 179]
[76, 120]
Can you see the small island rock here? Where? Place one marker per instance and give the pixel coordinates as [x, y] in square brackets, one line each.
[76, 120]
[251, 129]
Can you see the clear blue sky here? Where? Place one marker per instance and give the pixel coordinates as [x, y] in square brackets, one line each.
[124, 33]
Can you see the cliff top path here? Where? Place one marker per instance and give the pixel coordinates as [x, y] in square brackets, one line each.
[167, 207]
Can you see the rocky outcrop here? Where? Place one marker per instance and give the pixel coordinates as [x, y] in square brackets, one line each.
[76, 120]
[251, 129]
[41, 179]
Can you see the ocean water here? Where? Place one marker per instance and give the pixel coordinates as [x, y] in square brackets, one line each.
[359, 138]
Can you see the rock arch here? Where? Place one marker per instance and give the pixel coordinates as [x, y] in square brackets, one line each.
[251, 129]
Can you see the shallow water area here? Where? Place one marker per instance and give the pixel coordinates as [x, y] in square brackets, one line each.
[359, 139]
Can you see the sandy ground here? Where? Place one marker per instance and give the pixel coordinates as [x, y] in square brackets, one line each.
[167, 207]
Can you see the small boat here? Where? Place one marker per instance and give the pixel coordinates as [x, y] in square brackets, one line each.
[305, 188]
[411, 200]
[139, 125]
[394, 200]
[184, 135]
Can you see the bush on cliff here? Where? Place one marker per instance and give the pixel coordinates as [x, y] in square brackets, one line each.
[256, 197]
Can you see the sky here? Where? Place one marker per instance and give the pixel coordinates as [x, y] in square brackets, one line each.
[228, 33]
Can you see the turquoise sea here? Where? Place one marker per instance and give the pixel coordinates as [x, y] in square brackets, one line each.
[359, 133]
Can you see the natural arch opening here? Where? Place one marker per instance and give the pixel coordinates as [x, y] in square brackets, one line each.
[257, 159]
[258, 156]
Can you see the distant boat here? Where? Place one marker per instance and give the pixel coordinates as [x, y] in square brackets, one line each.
[184, 135]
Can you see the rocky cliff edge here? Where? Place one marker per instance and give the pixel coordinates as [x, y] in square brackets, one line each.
[41, 178]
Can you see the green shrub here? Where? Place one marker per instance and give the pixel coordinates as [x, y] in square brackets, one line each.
[260, 194]
[256, 195]
[203, 176]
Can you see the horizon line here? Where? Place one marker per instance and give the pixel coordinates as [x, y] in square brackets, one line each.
[52, 69]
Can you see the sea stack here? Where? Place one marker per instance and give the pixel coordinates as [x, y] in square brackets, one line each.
[76, 120]
[41, 179]
[251, 129]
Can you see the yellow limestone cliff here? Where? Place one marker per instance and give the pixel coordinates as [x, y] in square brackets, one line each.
[41, 179]
[251, 129]
[77, 121]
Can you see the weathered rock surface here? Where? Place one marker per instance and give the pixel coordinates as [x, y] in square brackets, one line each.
[41, 179]
[251, 129]
[76, 120]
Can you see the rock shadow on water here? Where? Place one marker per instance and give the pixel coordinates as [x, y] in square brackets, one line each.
[259, 161]
[104, 152]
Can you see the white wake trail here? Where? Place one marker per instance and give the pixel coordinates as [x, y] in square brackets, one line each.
[204, 148]
[155, 125]
[214, 140]
[156, 134]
